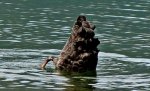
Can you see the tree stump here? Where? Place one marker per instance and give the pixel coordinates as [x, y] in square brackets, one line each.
[80, 52]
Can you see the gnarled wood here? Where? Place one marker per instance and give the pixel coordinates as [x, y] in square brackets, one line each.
[80, 52]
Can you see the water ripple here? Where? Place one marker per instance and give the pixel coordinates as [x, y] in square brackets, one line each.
[127, 17]
[31, 30]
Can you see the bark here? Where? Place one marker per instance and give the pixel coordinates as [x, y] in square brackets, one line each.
[80, 52]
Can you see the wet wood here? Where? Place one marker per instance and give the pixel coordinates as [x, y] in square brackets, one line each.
[80, 52]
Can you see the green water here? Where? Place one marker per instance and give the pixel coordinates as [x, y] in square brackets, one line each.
[31, 30]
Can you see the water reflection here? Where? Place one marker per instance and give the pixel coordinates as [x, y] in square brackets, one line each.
[81, 84]
[119, 22]
[80, 81]
[114, 71]
[30, 30]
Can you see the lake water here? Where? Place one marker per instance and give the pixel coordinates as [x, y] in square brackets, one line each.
[31, 30]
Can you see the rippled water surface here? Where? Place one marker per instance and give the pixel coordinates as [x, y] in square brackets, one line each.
[31, 30]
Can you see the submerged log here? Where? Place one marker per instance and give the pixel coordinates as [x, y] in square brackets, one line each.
[80, 52]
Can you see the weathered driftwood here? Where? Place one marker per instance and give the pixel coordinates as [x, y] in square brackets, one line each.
[80, 52]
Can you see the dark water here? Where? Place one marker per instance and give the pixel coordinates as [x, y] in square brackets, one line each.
[30, 30]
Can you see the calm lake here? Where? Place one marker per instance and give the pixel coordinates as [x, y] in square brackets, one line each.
[31, 30]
